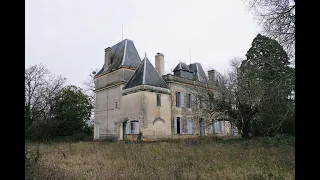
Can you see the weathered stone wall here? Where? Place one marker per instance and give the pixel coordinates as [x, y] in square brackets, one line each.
[106, 113]
[157, 119]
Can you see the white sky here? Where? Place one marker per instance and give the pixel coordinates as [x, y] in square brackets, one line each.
[69, 36]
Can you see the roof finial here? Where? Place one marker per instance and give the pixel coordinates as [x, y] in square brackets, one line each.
[145, 54]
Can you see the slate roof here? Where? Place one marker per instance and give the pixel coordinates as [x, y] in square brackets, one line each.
[200, 75]
[182, 66]
[146, 74]
[123, 53]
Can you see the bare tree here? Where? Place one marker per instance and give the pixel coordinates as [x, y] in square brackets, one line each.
[40, 89]
[206, 100]
[277, 19]
[89, 88]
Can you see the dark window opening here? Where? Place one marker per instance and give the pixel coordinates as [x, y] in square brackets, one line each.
[158, 99]
[178, 103]
[116, 105]
[178, 125]
[200, 103]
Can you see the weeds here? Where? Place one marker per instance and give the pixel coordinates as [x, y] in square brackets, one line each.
[204, 158]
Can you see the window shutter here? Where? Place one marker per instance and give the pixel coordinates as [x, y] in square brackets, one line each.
[182, 99]
[187, 100]
[185, 126]
[216, 126]
[127, 127]
[175, 125]
[222, 126]
[189, 126]
[177, 99]
[136, 126]
[191, 100]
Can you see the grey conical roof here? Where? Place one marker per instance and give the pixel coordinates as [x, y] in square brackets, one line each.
[146, 74]
[123, 53]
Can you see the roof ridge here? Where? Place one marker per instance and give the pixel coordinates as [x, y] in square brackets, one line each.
[144, 69]
[124, 51]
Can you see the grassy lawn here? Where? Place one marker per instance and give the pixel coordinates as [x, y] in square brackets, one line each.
[209, 158]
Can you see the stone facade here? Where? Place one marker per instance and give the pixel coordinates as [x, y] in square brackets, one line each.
[123, 112]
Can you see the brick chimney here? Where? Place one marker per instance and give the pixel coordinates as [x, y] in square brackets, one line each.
[159, 62]
[107, 57]
[212, 77]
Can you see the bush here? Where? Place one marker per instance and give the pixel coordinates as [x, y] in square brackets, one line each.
[31, 162]
[140, 138]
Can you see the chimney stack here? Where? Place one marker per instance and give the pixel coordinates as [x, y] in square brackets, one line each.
[212, 77]
[107, 57]
[159, 62]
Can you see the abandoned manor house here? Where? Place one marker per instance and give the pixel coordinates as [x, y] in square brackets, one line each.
[133, 97]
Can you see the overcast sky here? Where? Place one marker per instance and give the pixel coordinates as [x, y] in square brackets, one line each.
[69, 36]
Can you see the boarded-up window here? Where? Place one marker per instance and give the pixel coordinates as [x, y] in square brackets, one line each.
[158, 99]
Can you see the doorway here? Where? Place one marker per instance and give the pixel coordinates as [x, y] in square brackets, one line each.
[178, 125]
[124, 130]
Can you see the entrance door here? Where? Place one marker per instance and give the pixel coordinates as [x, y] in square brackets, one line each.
[124, 130]
[201, 123]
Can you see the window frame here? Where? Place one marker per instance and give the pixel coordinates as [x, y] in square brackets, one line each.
[178, 99]
[188, 104]
[158, 99]
[135, 125]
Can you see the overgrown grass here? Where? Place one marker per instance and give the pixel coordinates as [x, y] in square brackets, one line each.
[207, 158]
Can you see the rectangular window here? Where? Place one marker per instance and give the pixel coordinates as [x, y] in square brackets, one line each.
[134, 127]
[158, 99]
[178, 125]
[188, 100]
[178, 99]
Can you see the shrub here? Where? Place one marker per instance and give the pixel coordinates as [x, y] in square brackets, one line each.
[31, 162]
